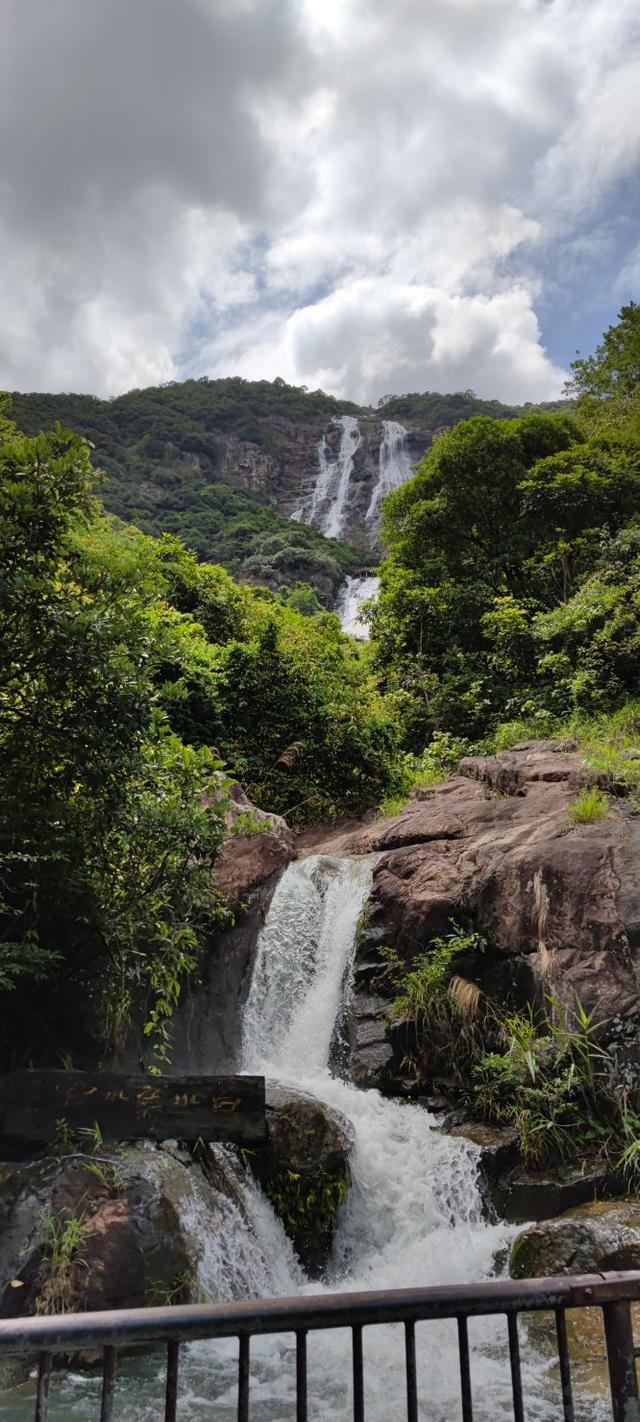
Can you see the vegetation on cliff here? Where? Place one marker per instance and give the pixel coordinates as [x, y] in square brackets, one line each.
[173, 464]
[129, 673]
[162, 451]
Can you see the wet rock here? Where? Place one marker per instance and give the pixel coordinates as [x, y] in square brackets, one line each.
[102, 1232]
[370, 1048]
[593, 1238]
[304, 1169]
[535, 1195]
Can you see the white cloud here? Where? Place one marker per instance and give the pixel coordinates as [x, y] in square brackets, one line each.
[341, 192]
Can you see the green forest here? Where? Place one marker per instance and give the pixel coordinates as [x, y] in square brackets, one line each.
[161, 454]
[160, 450]
[136, 682]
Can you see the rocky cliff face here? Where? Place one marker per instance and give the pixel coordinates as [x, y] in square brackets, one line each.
[494, 849]
[331, 474]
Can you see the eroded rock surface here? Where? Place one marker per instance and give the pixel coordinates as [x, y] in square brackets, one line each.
[494, 849]
[257, 847]
[93, 1233]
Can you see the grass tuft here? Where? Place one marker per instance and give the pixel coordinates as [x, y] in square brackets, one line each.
[591, 804]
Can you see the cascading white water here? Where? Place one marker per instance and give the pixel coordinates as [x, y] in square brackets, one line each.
[394, 467]
[353, 594]
[242, 1249]
[413, 1217]
[325, 507]
[349, 443]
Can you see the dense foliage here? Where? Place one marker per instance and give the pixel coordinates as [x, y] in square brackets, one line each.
[512, 588]
[607, 383]
[168, 469]
[437, 411]
[128, 673]
[169, 466]
[542, 1070]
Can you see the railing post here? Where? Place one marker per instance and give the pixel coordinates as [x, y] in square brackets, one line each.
[618, 1330]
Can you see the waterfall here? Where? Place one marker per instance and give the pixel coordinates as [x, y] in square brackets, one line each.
[241, 1247]
[394, 467]
[414, 1215]
[353, 594]
[303, 954]
[349, 443]
[325, 507]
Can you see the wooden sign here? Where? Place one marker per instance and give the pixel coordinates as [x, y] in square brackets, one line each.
[213, 1108]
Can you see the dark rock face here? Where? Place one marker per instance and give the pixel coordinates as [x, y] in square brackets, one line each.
[77, 1234]
[588, 1240]
[304, 1169]
[494, 849]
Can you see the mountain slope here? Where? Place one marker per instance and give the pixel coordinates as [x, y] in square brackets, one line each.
[235, 467]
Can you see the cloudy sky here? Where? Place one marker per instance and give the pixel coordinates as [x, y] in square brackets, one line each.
[371, 196]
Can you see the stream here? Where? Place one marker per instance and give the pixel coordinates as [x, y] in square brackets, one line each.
[413, 1217]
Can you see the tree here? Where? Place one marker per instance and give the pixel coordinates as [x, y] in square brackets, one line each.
[607, 383]
[105, 849]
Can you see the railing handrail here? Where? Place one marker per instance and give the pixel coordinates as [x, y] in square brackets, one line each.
[187, 1322]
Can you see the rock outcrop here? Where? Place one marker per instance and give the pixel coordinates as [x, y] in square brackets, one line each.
[207, 1025]
[494, 849]
[94, 1233]
[304, 1169]
[515, 1193]
[258, 846]
[591, 1239]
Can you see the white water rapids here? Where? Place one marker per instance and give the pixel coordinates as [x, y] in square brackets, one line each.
[413, 1217]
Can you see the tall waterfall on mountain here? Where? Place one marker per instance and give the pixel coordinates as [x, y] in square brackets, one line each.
[324, 507]
[394, 468]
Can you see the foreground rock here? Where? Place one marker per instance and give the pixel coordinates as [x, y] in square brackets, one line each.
[516, 1193]
[494, 849]
[591, 1239]
[98, 1233]
[304, 1169]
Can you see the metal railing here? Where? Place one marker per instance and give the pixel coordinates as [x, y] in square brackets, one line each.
[45, 1339]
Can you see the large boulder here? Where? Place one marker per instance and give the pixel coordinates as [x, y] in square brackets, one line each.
[258, 846]
[588, 1240]
[304, 1169]
[494, 848]
[113, 1231]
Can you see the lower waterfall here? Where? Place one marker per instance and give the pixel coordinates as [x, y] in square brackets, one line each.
[414, 1216]
[353, 594]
